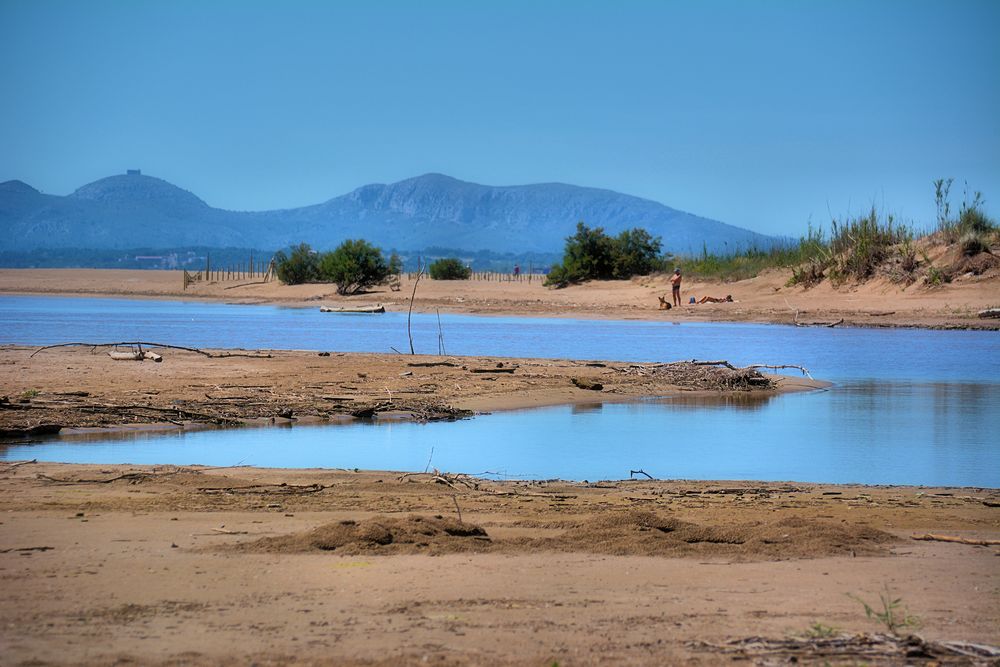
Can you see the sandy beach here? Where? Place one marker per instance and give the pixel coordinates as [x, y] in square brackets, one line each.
[765, 298]
[165, 565]
[124, 564]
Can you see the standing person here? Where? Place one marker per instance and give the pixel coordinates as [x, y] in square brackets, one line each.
[675, 284]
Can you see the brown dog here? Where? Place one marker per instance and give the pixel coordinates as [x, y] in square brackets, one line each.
[664, 304]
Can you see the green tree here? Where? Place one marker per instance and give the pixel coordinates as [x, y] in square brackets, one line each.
[449, 268]
[355, 265]
[395, 264]
[591, 254]
[635, 253]
[588, 256]
[301, 266]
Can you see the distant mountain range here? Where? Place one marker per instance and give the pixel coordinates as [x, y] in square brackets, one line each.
[134, 210]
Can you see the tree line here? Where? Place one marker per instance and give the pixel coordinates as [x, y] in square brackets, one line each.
[355, 266]
[590, 254]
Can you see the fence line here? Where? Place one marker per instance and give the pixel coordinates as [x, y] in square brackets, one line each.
[494, 276]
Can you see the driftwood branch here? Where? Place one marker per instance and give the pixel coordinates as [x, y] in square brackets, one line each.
[140, 343]
[723, 362]
[929, 537]
[633, 473]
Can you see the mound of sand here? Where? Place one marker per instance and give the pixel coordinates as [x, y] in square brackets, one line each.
[647, 534]
[381, 535]
[631, 533]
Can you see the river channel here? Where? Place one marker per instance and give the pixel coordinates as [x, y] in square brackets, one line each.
[908, 406]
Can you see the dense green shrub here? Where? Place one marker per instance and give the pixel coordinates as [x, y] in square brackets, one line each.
[301, 266]
[449, 268]
[355, 265]
[635, 253]
[590, 254]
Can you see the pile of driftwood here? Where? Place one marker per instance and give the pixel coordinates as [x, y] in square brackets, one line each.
[707, 375]
[864, 648]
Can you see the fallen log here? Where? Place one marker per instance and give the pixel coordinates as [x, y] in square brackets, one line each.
[929, 537]
[584, 383]
[125, 356]
[357, 309]
[990, 313]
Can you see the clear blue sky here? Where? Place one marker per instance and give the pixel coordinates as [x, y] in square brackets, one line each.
[761, 114]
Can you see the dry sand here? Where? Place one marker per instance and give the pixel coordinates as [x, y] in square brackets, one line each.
[125, 565]
[762, 299]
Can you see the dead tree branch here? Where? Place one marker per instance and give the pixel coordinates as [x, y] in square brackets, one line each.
[140, 343]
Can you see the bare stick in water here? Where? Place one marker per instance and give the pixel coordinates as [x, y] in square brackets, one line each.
[409, 314]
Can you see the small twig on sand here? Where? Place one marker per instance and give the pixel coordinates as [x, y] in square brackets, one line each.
[457, 508]
[958, 540]
[428, 466]
[11, 466]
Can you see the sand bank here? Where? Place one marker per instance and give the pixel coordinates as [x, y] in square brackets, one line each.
[765, 298]
[83, 387]
[165, 565]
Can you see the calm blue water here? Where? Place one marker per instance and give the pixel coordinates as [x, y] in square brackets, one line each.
[909, 407]
[837, 354]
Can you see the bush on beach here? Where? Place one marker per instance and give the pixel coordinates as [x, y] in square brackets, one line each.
[590, 254]
[301, 266]
[449, 268]
[355, 266]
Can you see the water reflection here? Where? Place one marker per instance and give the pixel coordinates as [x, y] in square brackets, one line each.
[741, 401]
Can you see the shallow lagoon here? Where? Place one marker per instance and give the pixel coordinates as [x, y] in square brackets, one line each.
[909, 407]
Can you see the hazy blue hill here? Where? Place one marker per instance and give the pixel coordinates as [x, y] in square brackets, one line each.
[431, 210]
[141, 192]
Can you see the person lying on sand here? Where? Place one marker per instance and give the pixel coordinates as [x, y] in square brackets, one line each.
[715, 299]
